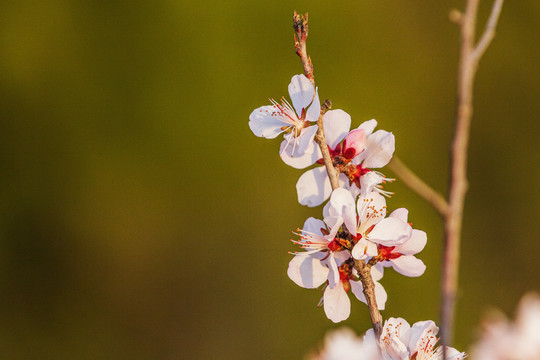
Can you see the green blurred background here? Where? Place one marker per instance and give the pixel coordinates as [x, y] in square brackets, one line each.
[140, 217]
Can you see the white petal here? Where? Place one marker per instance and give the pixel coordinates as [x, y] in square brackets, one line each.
[380, 295]
[313, 187]
[314, 109]
[390, 232]
[337, 305]
[380, 147]
[408, 265]
[371, 208]
[377, 272]
[295, 158]
[364, 249]
[400, 213]
[333, 275]
[263, 124]
[358, 290]
[368, 126]
[418, 331]
[307, 271]
[336, 126]
[314, 226]
[342, 204]
[414, 245]
[301, 92]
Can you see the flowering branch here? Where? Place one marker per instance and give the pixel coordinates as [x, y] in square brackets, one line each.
[469, 57]
[300, 24]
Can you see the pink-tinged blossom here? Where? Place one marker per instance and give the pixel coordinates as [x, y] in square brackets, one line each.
[401, 257]
[506, 340]
[400, 341]
[344, 344]
[354, 154]
[294, 120]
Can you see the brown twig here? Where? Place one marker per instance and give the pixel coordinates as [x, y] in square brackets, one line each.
[300, 24]
[418, 185]
[469, 56]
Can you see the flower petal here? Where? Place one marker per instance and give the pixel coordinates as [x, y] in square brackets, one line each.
[307, 271]
[301, 92]
[354, 143]
[368, 126]
[263, 124]
[408, 265]
[333, 275]
[400, 213]
[314, 110]
[313, 187]
[380, 147]
[418, 331]
[337, 305]
[295, 158]
[390, 232]
[342, 204]
[314, 226]
[414, 245]
[336, 126]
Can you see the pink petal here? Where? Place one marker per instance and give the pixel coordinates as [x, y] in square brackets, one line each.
[307, 271]
[336, 125]
[301, 92]
[354, 143]
[313, 187]
[337, 305]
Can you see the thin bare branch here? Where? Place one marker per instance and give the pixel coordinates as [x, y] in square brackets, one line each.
[469, 58]
[489, 31]
[418, 185]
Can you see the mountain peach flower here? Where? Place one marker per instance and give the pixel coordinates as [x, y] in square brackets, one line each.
[294, 120]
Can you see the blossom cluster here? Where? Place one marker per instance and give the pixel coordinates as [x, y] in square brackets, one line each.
[398, 341]
[355, 230]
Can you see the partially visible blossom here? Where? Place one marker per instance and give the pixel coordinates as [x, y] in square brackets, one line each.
[344, 344]
[354, 155]
[400, 341]
[337, 305]
[374, 229]
[294, 120]
[401, 257]
[506, 340]
[313, 267]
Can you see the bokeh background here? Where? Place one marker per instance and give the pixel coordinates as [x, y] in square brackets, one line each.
[141, 219]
